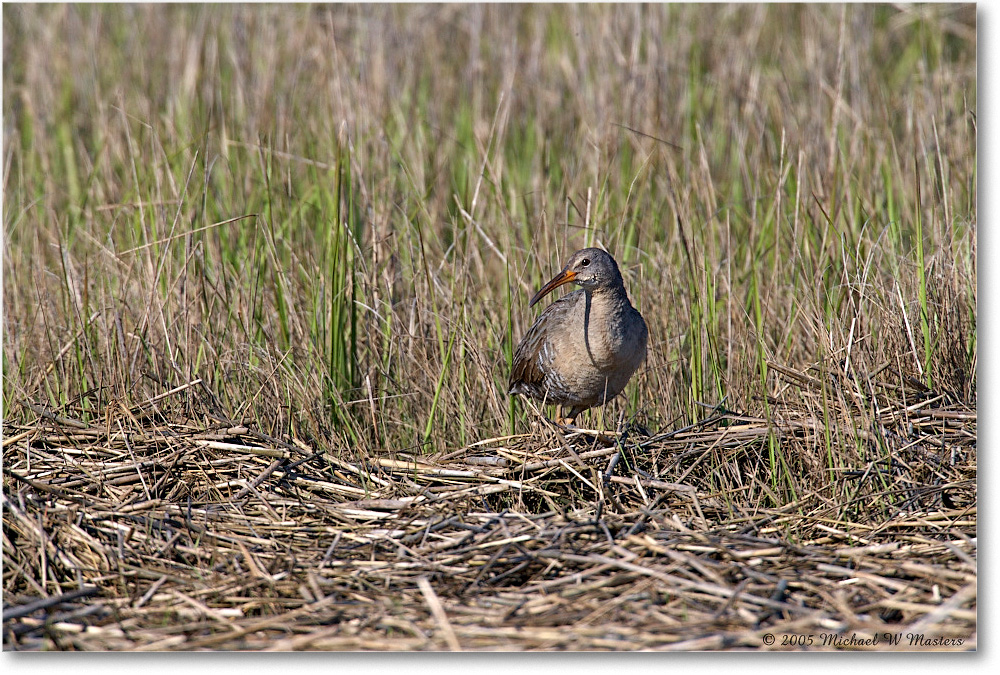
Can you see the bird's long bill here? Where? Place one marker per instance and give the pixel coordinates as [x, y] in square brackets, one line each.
[563, 277]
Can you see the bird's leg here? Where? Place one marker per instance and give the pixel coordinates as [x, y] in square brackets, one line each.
[570, 413]
[568, 422]
[564, 423]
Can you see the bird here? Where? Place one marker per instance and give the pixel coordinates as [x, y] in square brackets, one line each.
[585, 347]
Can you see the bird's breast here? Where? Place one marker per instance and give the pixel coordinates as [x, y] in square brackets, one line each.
[598, 346]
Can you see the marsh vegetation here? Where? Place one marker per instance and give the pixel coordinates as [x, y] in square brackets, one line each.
[265, 268]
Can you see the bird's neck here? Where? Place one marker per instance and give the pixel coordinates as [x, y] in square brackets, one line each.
[613, 295]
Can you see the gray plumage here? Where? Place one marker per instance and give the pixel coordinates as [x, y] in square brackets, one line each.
[584, 348]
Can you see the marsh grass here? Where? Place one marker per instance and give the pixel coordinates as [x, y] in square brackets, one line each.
[330, 219]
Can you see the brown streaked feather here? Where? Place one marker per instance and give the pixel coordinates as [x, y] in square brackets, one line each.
[528, 373]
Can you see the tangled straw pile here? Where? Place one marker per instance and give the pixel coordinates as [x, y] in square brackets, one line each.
[150, 534]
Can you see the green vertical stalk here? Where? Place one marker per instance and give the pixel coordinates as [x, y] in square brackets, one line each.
[922, 281]
[508, 349]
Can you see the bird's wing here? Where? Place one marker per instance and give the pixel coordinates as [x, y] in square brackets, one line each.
[527, 369]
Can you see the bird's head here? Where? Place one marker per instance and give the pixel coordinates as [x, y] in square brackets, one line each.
[590, 268]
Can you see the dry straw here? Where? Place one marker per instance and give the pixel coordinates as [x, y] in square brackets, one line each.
[164, 536]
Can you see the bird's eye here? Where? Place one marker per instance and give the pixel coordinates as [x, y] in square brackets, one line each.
[584, 262]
